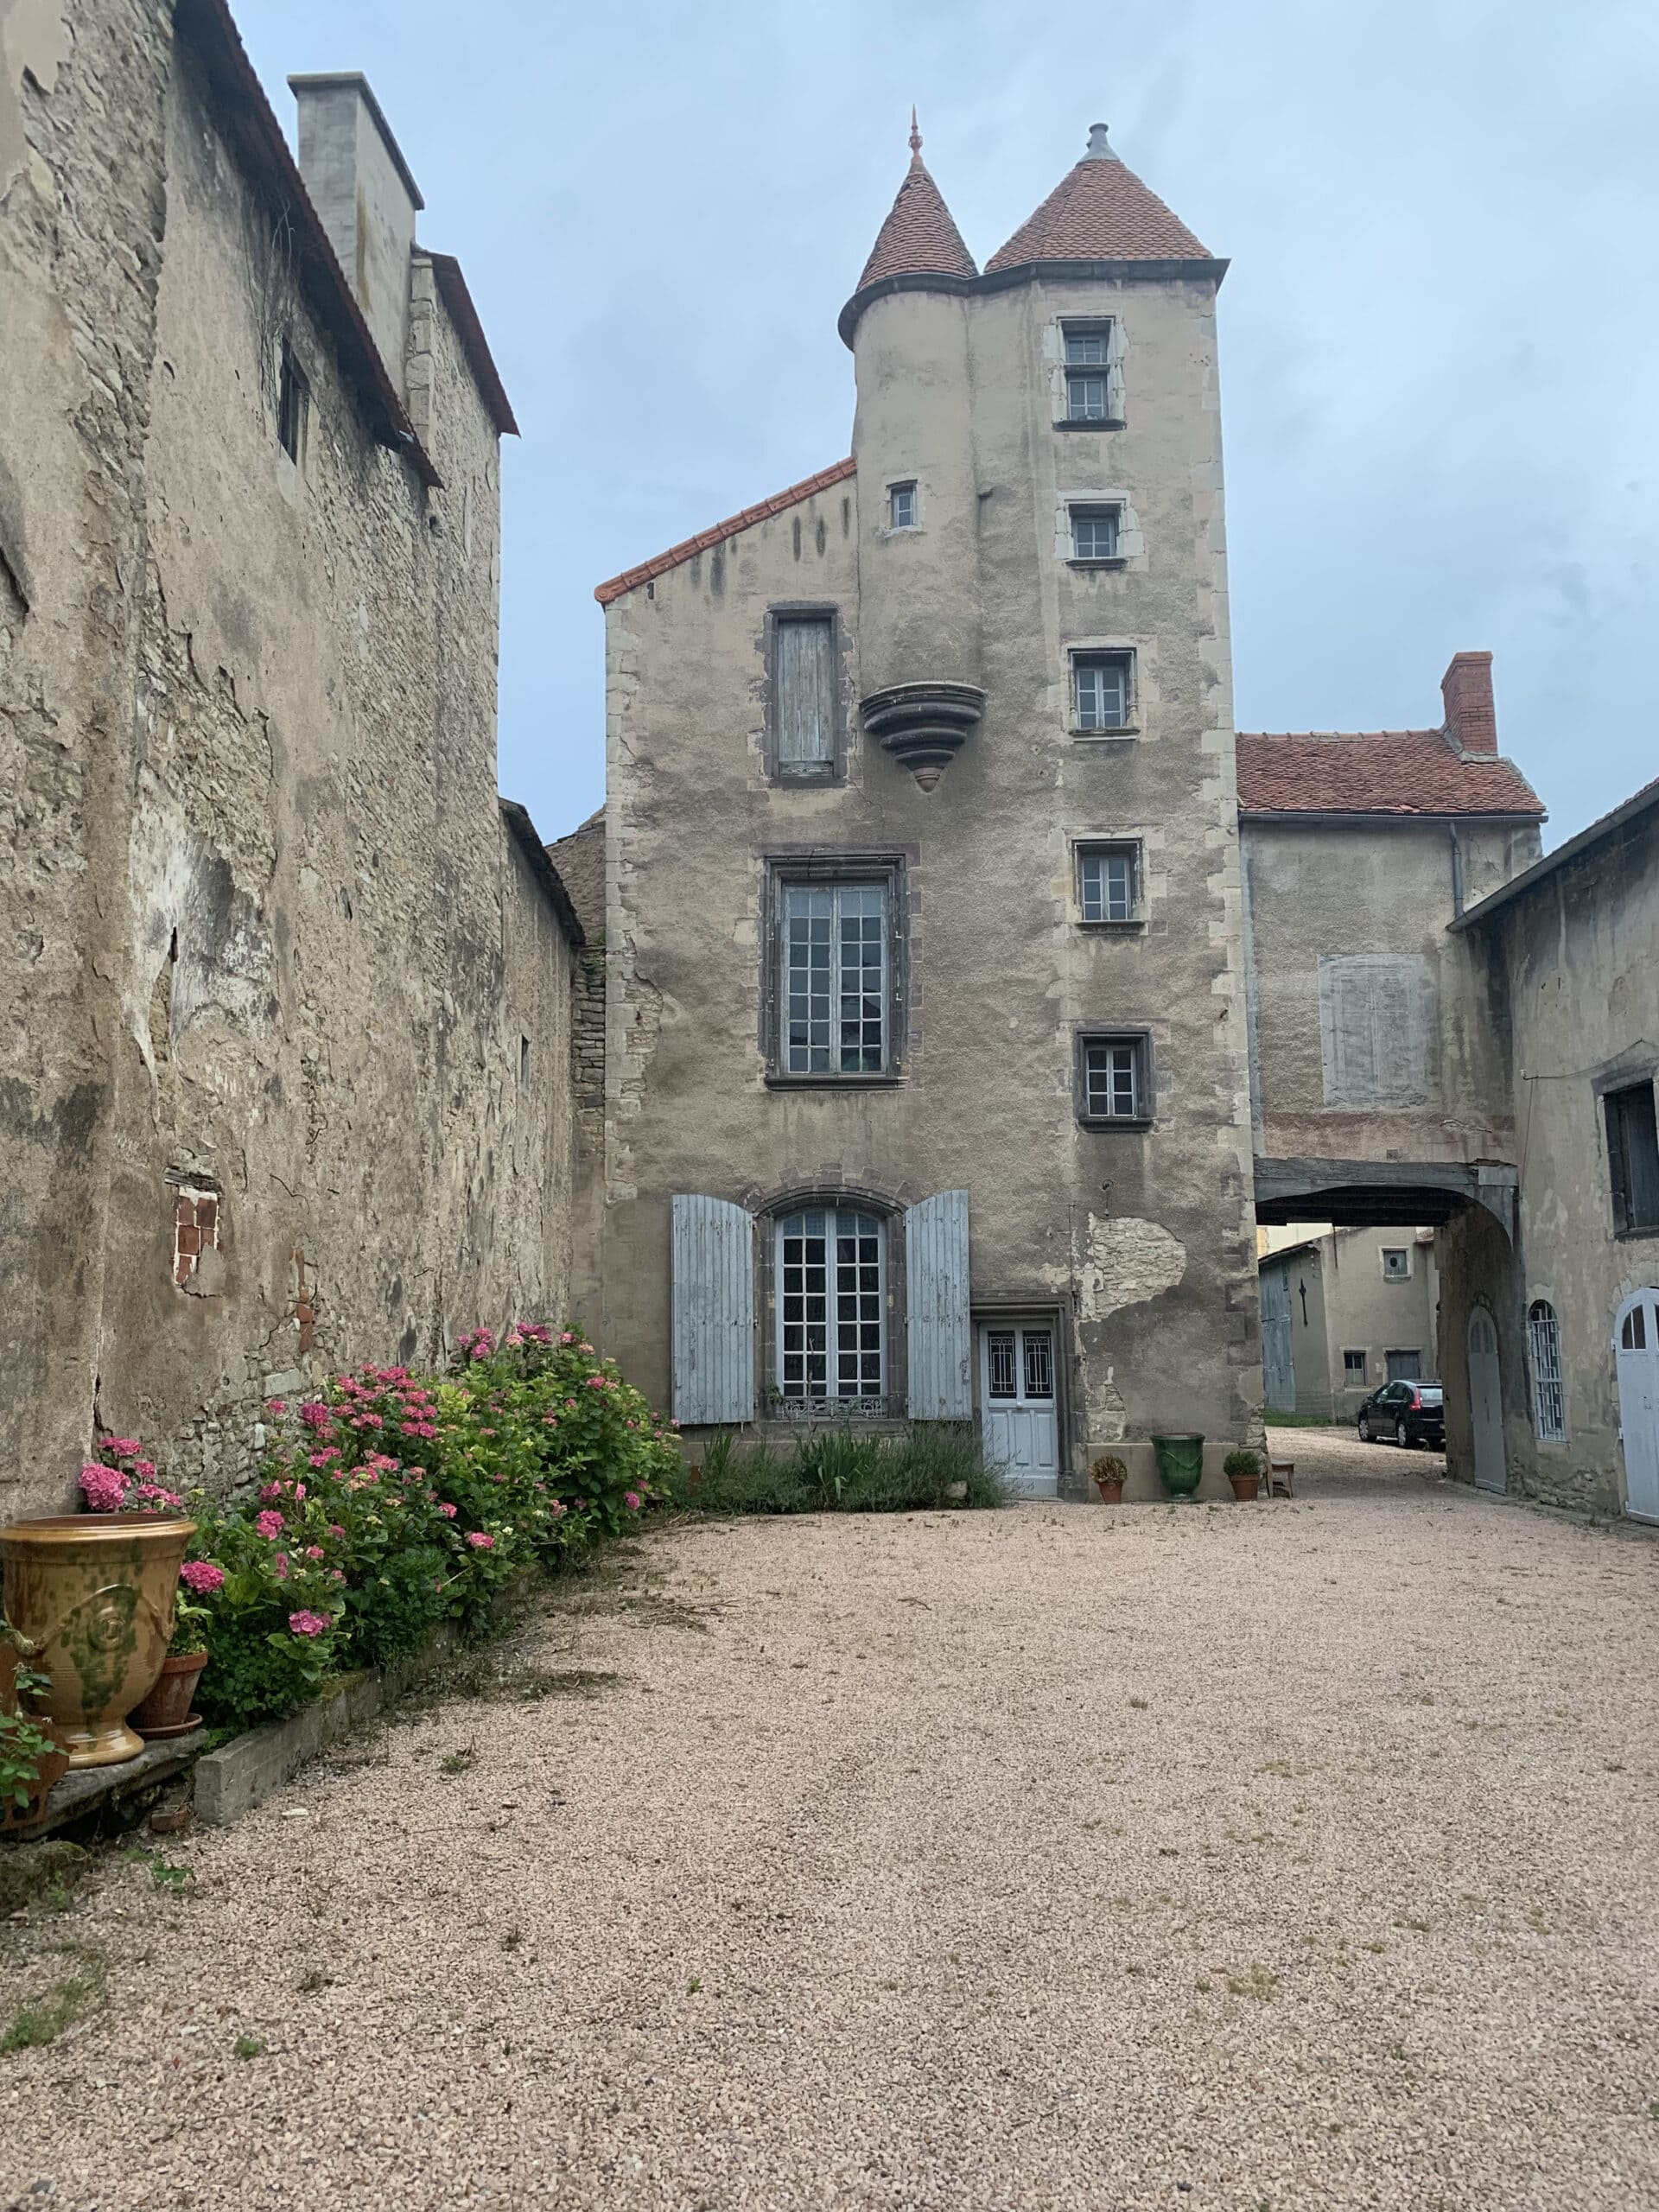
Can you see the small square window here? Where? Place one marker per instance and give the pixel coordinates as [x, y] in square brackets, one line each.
[1114, 1078]
[1633, 1158]
[293, 400]
[1102, 690]
[901, 506]
[1108, 882]
[1396, 1264]
[1353, 1367]
[1095, 533]
[1088, 345]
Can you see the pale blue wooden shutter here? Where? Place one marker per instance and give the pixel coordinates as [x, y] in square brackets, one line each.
[714, 1311]
[936, 1297]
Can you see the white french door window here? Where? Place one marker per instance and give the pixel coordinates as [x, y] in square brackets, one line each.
[831, 1306]
[1017, 1394]
[834, 980]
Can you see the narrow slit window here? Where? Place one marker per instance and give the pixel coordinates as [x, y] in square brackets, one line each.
[901, 506]
[293, 400]
[1095, 533]
[1549, 1398]
[1107, 883]
[524, 1062]
[1100, 690]
[836, 978]
[803, 702]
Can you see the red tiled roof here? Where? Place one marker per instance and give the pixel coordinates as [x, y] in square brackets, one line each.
[1099, 211]
[919, 237]
[606, 593]
[1400, 772]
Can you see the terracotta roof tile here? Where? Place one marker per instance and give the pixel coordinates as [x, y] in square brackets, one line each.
[919, 237]
[1399, 771]
[630, 578]
[1099, 211]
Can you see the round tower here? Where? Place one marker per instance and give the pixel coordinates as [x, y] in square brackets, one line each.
[906, 324]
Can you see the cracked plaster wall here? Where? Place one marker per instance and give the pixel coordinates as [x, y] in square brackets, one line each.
[267, 930]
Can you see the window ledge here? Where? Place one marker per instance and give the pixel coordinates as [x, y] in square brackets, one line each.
[1103, 736]
[1097, 561]
[776, 1082]
[1136, 922]
[1642, 1233]
[1103, 422]
[807, 780]
[1139, 1123]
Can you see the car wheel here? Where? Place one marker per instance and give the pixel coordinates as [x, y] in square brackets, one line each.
[1364, 1430]
[1400, 1436]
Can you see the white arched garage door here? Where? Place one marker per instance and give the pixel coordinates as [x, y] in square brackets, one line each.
[1486, 1401]
[1636, 1347]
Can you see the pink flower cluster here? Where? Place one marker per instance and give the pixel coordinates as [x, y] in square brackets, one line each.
[270, 1524]
[479, 1541]
[478, 1343]
[104, 1489]
[307, 1624]
[532, 1332]
[201, 1576]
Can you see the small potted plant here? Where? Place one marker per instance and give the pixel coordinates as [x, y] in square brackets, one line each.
[1243, 1470]
[1109, 1476]
[32, 1761]
[166, 1711]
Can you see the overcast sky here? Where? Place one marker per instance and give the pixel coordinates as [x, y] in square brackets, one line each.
[1439, 336]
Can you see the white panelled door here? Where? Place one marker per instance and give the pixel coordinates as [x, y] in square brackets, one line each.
[1486, 1402]
[1636, 1347]
[1017, 1392]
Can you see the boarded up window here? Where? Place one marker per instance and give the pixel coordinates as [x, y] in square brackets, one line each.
[1378, 1029]
[936, 1275]
[804, 705]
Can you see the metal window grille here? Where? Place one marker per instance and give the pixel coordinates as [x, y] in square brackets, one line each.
[1094, 533]
[1040, 1363]
[1549, 1399]
[835, 979]
[1000, 1345]
[1088, 347]
[902, 508]
[831, 1306]
[1108, 886]
[1114, 1081]
[1086, 398]
[1101, 692]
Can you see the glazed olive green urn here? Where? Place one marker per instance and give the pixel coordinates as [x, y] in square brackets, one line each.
[96, 1593]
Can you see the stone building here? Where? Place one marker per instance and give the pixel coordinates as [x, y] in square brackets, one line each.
[283, 1079]
[926, 1082]
[1551, 1324]
[1344, 1310]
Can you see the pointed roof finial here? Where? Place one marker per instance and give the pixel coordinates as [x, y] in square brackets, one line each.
[915, 137]
[1100, 149]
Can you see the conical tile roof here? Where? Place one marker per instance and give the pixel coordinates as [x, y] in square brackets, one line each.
[1100, 211]
[919, 238]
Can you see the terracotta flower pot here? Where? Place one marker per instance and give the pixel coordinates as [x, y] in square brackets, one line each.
[166, 1711]
[16, 1820]
[1245, 1487]
[1111, 1493]
[96, 1593]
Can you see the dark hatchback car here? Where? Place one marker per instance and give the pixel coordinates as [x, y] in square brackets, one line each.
[1410, 1412]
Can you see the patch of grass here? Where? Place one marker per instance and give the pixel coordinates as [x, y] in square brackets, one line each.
[843, 1473]
[164, 1875]
[248, 2047]
[71, 1998]
[1258, 1981]
[313, 1980]
[458, 1762]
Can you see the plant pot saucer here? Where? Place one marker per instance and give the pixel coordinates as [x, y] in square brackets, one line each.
[186, 1728]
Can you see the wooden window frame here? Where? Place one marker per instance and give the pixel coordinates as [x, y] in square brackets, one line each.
[812, 774]
[1081, 657]
[1133, 849]
[909, 486]
[1613, 1093]
[832, 869]
[1100, 1035]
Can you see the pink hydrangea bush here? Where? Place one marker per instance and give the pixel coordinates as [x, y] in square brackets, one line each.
[124, 1481]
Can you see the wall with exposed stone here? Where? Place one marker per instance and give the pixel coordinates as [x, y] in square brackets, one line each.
[288, 1036]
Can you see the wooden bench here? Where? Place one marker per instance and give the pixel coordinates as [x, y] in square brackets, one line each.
[1282, 1479]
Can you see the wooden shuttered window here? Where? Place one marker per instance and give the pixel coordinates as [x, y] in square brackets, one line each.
[1377, 1024]
[803, 695]
[939, 1329]
[714, 1311]
[1633, 1157]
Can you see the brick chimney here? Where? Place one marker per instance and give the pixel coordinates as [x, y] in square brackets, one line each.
[360, 186]
[1471, 718]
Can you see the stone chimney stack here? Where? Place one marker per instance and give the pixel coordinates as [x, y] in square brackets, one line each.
[1471, 718]
[360, 186]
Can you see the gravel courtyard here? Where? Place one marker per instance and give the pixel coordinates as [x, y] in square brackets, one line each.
[1238, 1858]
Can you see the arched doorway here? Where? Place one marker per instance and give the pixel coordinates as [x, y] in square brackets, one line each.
[1636, 1348]
[1486, 1401]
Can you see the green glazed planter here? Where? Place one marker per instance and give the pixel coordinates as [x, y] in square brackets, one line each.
[1180, 1463]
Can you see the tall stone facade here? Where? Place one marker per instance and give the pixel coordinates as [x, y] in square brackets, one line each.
[285, 1058]
[926, 1070]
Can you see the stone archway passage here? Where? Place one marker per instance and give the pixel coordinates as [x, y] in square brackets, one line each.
[1486, 1401]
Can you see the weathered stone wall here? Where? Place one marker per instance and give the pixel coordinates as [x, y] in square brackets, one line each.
[299, 999]
[1142, 1241]
[1575, 959]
